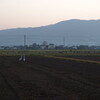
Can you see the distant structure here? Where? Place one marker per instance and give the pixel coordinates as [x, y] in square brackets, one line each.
[64, 41]
[23, 58]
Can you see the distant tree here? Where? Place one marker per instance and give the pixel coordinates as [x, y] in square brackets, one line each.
[83, 47]
[45, 43]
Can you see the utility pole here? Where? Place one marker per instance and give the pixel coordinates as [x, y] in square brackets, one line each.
[23, 58]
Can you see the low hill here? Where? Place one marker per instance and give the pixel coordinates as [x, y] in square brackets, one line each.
[75, 32]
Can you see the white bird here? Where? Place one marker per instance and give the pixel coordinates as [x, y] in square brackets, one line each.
[20, 58]
[24, 58]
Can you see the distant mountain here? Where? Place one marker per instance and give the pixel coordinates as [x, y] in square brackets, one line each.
[72, 32]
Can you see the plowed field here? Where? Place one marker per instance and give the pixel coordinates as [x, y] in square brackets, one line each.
[48, 78]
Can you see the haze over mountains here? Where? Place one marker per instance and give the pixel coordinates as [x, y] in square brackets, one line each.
[72, 32]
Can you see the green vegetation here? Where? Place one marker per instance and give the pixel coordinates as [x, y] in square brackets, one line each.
[92, 56]
[50, 52]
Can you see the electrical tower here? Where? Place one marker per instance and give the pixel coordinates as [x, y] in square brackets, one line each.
[64, 41]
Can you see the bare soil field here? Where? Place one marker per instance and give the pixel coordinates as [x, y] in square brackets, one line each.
[86, 57]
[48, 78]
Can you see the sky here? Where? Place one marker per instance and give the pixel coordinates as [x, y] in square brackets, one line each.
[36, 13]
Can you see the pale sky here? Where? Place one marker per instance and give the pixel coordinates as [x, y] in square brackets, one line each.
[34, 13]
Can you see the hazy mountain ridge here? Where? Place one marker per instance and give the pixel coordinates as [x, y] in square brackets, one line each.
[75, 31]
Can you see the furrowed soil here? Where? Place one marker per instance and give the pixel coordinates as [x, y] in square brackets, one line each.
[86, 57]
[45, 78]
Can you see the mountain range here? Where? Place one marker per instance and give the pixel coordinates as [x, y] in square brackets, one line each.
[68, 32]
